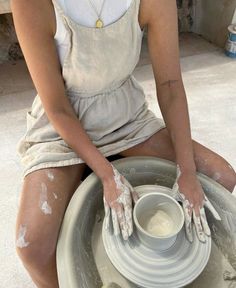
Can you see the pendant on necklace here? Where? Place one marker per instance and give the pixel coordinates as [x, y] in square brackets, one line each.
[99, 23]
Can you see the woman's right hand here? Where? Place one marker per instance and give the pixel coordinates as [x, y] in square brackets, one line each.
[117, 197]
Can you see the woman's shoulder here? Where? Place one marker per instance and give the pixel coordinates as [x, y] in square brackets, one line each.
[38, 13]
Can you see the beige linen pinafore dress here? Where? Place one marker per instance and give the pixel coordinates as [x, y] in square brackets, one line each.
[107, 99]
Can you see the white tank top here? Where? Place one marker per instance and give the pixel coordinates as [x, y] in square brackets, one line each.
[84, 14]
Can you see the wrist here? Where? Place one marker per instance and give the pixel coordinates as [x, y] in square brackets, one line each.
[187, 169]
[186, 162]
[187, 177]
[106, 174]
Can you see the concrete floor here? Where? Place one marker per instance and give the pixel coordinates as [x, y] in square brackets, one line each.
[209, 79]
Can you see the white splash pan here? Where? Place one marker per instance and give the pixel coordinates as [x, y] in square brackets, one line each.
[172, 268]
[82, 261]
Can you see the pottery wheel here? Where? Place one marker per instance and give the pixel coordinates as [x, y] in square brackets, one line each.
[175, 267]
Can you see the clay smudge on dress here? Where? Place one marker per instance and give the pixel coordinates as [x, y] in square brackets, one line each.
[21, 243]
[50, 175]
[43, 201]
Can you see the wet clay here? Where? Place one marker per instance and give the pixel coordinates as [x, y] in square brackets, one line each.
[157, 223]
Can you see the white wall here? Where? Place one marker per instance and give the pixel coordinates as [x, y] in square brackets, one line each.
[212, 18]
[4, 6]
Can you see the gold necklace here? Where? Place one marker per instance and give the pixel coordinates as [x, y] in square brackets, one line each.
[99, 22]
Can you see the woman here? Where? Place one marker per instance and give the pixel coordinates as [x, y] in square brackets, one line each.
[89, 106]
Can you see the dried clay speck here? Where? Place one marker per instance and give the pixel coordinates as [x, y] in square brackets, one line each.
[21, 237]
[50, 175]
[216, 176]
[43, 201]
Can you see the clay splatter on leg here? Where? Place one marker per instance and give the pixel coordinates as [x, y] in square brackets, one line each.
[43, 201]
[202, 163]
[21, 243]
[216, 176]
[55, 195]
[50, 175]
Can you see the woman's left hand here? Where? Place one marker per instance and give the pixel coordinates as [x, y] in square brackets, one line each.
[188, 190]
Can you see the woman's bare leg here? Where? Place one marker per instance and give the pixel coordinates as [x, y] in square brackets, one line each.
[207, 161]
[44, 198]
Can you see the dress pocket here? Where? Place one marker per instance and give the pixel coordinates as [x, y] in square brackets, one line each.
[39, 128]
[30, 120]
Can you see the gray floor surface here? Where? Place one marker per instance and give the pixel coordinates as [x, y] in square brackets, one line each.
[209, 80]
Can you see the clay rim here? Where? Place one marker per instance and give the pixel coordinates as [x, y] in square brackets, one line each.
[136, 222]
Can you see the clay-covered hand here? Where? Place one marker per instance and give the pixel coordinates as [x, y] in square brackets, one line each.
[200, 221]
[117, 198]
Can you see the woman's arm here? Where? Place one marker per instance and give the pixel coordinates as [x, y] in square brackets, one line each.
[35, 26]
[164, 53]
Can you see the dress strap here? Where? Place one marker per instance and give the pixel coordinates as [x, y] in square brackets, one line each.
[60, 12]
[136, 12]
[59, 8]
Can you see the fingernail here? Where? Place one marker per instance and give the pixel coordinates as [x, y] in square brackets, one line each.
[125, 230]
[190, 237]
[202, 237]
[125, 234]
[189, 232]
[207, 231]
[130, 230]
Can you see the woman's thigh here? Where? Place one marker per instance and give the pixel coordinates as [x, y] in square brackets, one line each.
[207, 161]
[44, 198]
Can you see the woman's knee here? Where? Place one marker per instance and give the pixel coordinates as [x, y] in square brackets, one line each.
[42, 206]
[225, 175]
[33, 247]
[214, 166]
